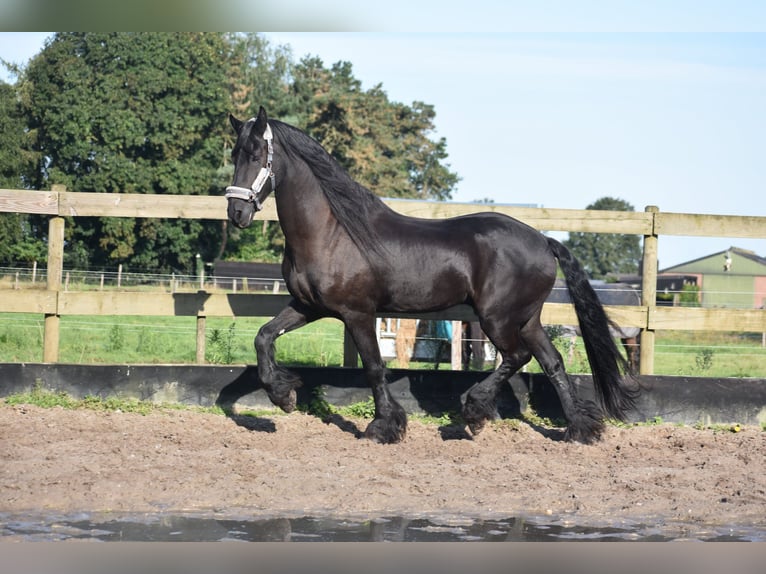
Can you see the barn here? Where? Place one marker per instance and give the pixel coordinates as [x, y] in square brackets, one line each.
[732, 278]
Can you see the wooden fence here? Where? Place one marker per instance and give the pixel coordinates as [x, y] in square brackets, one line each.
[53, 302]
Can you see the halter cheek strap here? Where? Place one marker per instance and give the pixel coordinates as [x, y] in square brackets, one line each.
[252, 193]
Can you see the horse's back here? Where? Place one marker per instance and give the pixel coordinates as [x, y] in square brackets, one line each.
[465, 259]
[488, 229]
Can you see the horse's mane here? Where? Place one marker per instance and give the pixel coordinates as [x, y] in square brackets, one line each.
[352, 204]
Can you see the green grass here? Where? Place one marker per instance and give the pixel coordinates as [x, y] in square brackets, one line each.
[710, 354]
[688, 353]
[318, 407]
[50, 399]
[158, 340]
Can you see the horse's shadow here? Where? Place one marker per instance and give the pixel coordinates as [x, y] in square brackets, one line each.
[454, 431]
[511, 404]
[248, 383]
[253, 423]
[345, 425]
[228, 397]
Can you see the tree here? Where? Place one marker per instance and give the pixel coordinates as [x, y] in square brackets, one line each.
[133, 113]
[258, 74]
[146, 113]
[20, 241]
[602, 254]
[384, 145]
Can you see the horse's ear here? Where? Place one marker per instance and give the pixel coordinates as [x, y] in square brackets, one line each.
[235, 123]
[261, 121]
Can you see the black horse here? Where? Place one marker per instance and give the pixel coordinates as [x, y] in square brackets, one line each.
[349, 256]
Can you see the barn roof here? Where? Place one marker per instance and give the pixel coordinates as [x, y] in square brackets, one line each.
[746, 253]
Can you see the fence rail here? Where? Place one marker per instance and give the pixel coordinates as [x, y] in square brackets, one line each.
[54, 301]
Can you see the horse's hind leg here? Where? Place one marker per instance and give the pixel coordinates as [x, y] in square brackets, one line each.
[280, 383]
[390, 422]
[584, 418]
[479, 402]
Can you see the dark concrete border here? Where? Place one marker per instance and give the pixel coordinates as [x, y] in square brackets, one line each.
[675, 399]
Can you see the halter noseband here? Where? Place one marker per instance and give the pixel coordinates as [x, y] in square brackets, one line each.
[252, 193]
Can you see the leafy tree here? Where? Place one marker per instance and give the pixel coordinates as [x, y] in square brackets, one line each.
[134, 113]
[384, 145]
[20, 241]
[258, 74]
[602, 254]
[146, 113]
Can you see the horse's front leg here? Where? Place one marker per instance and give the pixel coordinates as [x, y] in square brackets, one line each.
[280, 383]
[390, 423]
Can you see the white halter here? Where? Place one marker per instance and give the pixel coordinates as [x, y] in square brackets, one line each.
[252, 193]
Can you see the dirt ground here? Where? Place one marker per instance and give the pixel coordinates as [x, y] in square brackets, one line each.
[64, 461]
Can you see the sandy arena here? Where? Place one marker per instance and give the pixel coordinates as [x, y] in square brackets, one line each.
[66, 461]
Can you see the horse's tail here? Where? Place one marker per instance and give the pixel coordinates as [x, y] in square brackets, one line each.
[606, 362]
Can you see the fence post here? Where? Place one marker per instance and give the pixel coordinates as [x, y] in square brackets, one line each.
[201, 321]
[649, 295]
[55, 272]
[456, 347]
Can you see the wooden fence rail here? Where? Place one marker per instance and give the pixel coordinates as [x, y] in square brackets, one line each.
[53, 302]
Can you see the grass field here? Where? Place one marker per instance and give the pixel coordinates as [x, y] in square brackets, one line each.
[97, 339]
[154, 340]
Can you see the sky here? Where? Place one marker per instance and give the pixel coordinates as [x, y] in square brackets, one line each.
[559, 120]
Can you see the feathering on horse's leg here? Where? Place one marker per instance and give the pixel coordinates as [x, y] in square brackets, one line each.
[584, 417]
[279, 383]
[480, 401]
[390, 423]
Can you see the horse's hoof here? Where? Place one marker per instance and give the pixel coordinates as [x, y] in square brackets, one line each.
[586, 427]
[284, 399]
[289, 402]
[477, 426]
[475, 417]
[478, 409]
[588, 435]
[383, 431]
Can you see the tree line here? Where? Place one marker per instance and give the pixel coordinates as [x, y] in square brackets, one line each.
[147, 113]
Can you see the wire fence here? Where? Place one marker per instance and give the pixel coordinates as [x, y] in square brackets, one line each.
[83, 280]
[79, 280]
[230, 341]
[692, 354]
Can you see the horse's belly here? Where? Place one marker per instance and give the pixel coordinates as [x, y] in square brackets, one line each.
[425, 294]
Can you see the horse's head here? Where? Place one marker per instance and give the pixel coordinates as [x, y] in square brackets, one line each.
[253, 176]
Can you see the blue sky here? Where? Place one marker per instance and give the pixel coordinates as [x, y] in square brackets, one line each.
[560, 120]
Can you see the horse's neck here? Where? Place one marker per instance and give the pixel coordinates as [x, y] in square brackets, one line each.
[303, 212]
[311, 227]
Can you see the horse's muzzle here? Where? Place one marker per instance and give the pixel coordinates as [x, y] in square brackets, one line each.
[241, 213]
